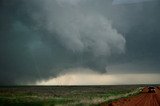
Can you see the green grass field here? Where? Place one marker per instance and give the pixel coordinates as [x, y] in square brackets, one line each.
[63, 95]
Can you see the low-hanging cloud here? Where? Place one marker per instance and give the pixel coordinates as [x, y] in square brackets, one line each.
[80, 30]
[48, 36]
[41, 38]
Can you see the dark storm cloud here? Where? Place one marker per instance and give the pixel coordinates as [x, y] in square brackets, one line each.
[142, 47]
[117, 2]
[38, 39]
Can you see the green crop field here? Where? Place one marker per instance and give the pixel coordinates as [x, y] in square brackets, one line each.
[64, 95]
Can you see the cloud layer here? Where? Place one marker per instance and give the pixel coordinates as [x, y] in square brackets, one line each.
[89, 77]
[79, 30]
[40, 39]
[116, 2]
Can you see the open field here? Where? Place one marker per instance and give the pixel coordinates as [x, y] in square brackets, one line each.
[64, 95]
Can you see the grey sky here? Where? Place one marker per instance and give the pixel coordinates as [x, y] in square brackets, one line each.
[117, 2]
[41, 38]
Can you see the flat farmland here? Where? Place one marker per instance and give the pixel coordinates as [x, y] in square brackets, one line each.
[64, 95]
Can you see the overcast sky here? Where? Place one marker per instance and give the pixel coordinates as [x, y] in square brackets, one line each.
[41, 39]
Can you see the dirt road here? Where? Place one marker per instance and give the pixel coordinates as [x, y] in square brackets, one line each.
[144, 99]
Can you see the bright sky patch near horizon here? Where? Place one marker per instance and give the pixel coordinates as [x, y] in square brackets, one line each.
[89, 77]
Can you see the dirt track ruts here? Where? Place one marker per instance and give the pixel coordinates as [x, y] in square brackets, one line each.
[143, 99]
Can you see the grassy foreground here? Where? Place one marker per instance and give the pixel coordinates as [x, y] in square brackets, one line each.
[63, 95]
